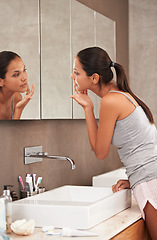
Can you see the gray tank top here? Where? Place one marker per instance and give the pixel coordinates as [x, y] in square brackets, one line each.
[136, 139]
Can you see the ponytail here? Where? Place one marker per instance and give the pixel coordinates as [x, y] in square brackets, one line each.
[123, 85]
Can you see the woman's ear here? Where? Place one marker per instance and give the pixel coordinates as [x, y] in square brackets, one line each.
[1, 82]
[95, 78]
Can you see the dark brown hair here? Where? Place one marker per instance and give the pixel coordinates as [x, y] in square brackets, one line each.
[97, 60]
[5, 58]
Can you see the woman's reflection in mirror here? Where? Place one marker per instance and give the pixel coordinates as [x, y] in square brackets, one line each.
[13, 82]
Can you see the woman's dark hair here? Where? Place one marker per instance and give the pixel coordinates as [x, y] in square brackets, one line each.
[97, 60]
[5, 58]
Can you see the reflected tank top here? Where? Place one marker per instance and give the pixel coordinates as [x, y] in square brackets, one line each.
[136, 140]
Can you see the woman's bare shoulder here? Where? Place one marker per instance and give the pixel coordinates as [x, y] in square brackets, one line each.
[109, 100]
[112, 104]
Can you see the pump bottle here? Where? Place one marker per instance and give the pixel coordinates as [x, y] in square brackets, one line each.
[8, 207]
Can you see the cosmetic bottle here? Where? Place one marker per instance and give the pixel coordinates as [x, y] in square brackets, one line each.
[8, 207]
[29, 182]
[2, 215]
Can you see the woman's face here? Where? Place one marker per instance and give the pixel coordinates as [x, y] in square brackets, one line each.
[16, 76]
[81, 80]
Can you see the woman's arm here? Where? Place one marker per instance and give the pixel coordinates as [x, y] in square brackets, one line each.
[91, 126]
[107, 118]
[99, 136]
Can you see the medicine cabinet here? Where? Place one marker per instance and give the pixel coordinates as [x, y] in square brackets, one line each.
[47, 34]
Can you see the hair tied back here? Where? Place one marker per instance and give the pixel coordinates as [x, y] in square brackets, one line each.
[112, 64]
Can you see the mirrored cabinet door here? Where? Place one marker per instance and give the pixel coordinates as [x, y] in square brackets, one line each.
[19, 26]
[82, 25]
[55, 59]
[90, 28]
[105, 36]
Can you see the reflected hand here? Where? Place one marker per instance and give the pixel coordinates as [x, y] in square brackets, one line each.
[22, 103]
[121, 184]
[81, 97]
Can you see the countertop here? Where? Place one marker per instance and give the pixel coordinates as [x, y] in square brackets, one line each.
[105, 230]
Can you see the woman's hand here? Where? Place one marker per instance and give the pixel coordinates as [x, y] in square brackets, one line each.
[121, 184]
[23, 102]
[82, 98]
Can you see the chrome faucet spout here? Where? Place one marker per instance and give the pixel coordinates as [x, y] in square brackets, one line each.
[63, 158]
[46, 156]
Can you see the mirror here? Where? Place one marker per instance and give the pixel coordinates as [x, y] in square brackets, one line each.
[55, 59]
[47, 34]
[89, 28]
[66, 28]
[19, 24]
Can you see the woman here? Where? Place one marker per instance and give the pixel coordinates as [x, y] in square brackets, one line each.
[125, 121]
[13, 81]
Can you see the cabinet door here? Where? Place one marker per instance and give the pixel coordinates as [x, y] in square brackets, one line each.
[90, 28]
[105, 36]
[55, 59]
[82, 34]
[137, 231]
[19, 27]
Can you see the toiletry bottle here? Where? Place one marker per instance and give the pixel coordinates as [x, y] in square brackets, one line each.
[29, 182]
[8, 207]
[2, 215]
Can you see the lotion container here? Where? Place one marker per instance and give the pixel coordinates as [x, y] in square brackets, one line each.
[29, 183]
[2, 215]
[8, 207]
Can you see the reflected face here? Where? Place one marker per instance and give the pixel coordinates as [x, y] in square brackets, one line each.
[82, 81]
[16, 76]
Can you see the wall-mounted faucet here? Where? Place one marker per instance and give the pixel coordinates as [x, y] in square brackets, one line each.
[35, 154]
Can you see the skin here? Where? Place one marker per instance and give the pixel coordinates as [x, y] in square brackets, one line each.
[15, 82]
[121, 184]
[114, 107]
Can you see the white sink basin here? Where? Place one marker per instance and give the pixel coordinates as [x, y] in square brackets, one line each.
[110, 178]
[79, 207]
